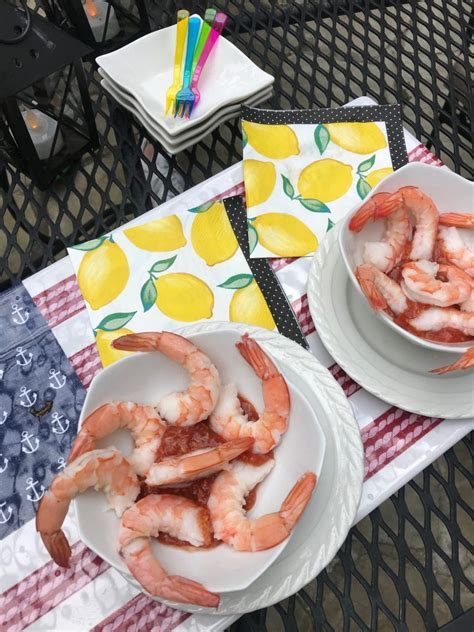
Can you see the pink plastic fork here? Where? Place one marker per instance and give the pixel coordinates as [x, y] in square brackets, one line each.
[217, 28]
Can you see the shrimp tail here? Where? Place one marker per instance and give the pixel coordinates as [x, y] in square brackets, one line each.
[466, 361]
[255, 356]
[296, 501]
[367, 284]
[83, 443]
[209, 461]
[367, 212]
[188, 591]
[137, 342]
[58, 547]
[198, 464]
[460, 220]
[387, 207]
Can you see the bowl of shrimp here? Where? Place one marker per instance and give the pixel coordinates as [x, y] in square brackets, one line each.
[409, 249]
[193, 440]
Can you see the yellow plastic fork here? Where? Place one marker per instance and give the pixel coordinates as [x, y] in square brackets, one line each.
[181, 31]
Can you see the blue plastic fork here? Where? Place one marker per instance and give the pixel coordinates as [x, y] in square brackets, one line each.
[185, 97]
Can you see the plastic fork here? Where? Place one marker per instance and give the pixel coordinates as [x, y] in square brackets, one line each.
[181, 30]
[217, 28]
[185, 97]
[209, 17]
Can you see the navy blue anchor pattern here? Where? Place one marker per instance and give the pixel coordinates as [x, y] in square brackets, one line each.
[40, 402]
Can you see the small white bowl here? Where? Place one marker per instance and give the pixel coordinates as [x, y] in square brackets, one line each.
[450, 192]
[145, 378]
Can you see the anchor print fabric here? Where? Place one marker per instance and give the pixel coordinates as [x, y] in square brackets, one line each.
[304, 170]
[40, 401]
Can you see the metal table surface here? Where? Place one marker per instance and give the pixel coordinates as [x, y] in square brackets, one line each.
[407, 564]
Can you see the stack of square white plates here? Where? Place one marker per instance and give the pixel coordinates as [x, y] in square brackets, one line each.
[139, 74]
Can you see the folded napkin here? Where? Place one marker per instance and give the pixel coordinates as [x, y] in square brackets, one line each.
[306, 169]
[181, 268]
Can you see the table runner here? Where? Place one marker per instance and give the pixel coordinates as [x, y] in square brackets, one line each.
[35, 594]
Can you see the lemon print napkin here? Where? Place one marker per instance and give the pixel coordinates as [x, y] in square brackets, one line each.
[304, 170]
[182, 268]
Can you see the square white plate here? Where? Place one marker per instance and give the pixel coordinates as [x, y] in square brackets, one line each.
[188, 137]
[145, 68]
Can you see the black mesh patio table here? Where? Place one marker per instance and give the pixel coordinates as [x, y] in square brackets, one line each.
[409, 564]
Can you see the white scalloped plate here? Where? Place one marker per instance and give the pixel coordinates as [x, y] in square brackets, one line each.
[378, 358]
[329, 516]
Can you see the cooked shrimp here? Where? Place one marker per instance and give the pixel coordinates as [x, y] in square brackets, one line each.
[195, 404]
[436, 318]
[229, 420]
[143, 422]
[381, 291]
[196, 464]
[468, 304]
[228, 517]
[105, 470]
[387, 253]
[466, 361]
[425, 214]
[452, 249]
[179, 517]
[420, 283]
[461, 220]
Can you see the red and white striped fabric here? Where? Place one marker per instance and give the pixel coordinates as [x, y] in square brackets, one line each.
[35, 594]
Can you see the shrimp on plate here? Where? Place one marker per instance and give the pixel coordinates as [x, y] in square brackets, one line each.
[453, 250]
[420, 283]
[388, 252]
[381, 291]
[196, 464]
[176, 516]
[105, 470]
[436, 318]
[228, 418]
[144, 423]
[197, 402]
[226, 507]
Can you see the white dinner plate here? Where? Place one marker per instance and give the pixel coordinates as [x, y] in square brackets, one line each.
[375, 356]
[191, 137]
[145, 69]
[321, 423]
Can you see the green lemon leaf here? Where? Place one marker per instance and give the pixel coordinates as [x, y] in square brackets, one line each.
[244, 138]
[112, 322]
[161, 266]
[288, 188]
[201, 209]
[314, 206]
[330, 225]
[253, 238]
[321, 138]
[237, 282]
[90, 245]
[363, 188]
[365, 165]
[148, 294]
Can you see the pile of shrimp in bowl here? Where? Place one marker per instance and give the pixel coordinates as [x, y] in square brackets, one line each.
[418, 272]
[198, 459]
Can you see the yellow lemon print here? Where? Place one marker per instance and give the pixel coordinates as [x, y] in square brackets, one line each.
[360, 138]
[107, 353]
[325, 180]
[272, 141]
[182, 296]
[160, 235]
[248, 306]
[260, 179]
[212, 236]
[103, 274]
[374, 177]
[285, 235]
